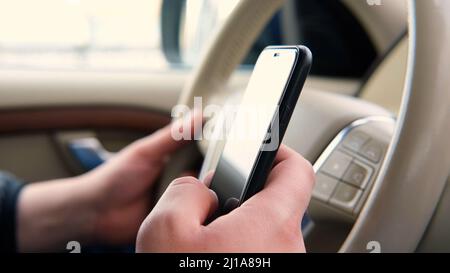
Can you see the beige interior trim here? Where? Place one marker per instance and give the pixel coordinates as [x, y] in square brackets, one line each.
[385, 86]
[155, 91]
[31, 157]
[73, 88]
[437, 236]
[335, 85]
[383, 22]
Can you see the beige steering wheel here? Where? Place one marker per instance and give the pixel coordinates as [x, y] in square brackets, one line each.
[411, 179]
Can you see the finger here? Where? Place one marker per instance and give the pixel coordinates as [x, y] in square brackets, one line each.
[187, 202]
[163, 142]
[289, 185]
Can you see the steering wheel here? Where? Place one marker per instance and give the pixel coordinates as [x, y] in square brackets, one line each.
[380, 176]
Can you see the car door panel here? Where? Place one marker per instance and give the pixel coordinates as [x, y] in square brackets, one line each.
[38, 106]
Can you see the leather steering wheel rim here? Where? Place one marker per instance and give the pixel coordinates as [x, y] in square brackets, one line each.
[416, 168]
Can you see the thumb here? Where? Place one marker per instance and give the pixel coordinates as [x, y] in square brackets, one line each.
[164, 141]
[186, 202]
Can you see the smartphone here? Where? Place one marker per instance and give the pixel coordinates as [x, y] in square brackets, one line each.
[272, 93]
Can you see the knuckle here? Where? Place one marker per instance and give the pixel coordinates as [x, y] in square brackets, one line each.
[186, 181]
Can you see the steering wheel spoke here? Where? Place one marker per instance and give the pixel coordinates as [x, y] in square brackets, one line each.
[348, 167]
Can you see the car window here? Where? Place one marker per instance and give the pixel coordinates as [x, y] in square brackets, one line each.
[202, 19]
[81, 34]
[340, 45]
[162, 34]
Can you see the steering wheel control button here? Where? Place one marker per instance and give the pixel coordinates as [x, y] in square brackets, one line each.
[324, 187]
[355, 140]
[337, 164]
[357, 175]
[346, 197]
[373, 151]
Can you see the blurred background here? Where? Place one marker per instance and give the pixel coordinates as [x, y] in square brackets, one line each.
[157, 35]
[111, 70]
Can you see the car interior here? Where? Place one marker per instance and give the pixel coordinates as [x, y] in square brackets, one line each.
[91, 77]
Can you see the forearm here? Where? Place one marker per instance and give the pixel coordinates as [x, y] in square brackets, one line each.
[50, 214]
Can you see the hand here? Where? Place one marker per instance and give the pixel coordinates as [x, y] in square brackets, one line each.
[267, 222]
[124, 185]
[105, 206]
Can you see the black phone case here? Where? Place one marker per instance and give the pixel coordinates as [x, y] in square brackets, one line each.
[287, 103]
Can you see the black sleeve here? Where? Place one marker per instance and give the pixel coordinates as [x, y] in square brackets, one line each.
[10, 188]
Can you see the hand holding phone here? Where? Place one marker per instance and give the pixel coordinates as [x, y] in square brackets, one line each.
[272, 94]
[268, 222]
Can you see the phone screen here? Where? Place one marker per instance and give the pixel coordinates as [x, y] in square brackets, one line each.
[249, 129]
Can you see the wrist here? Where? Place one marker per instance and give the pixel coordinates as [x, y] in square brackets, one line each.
[86, 201]
[95, 207]
[50, 214]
